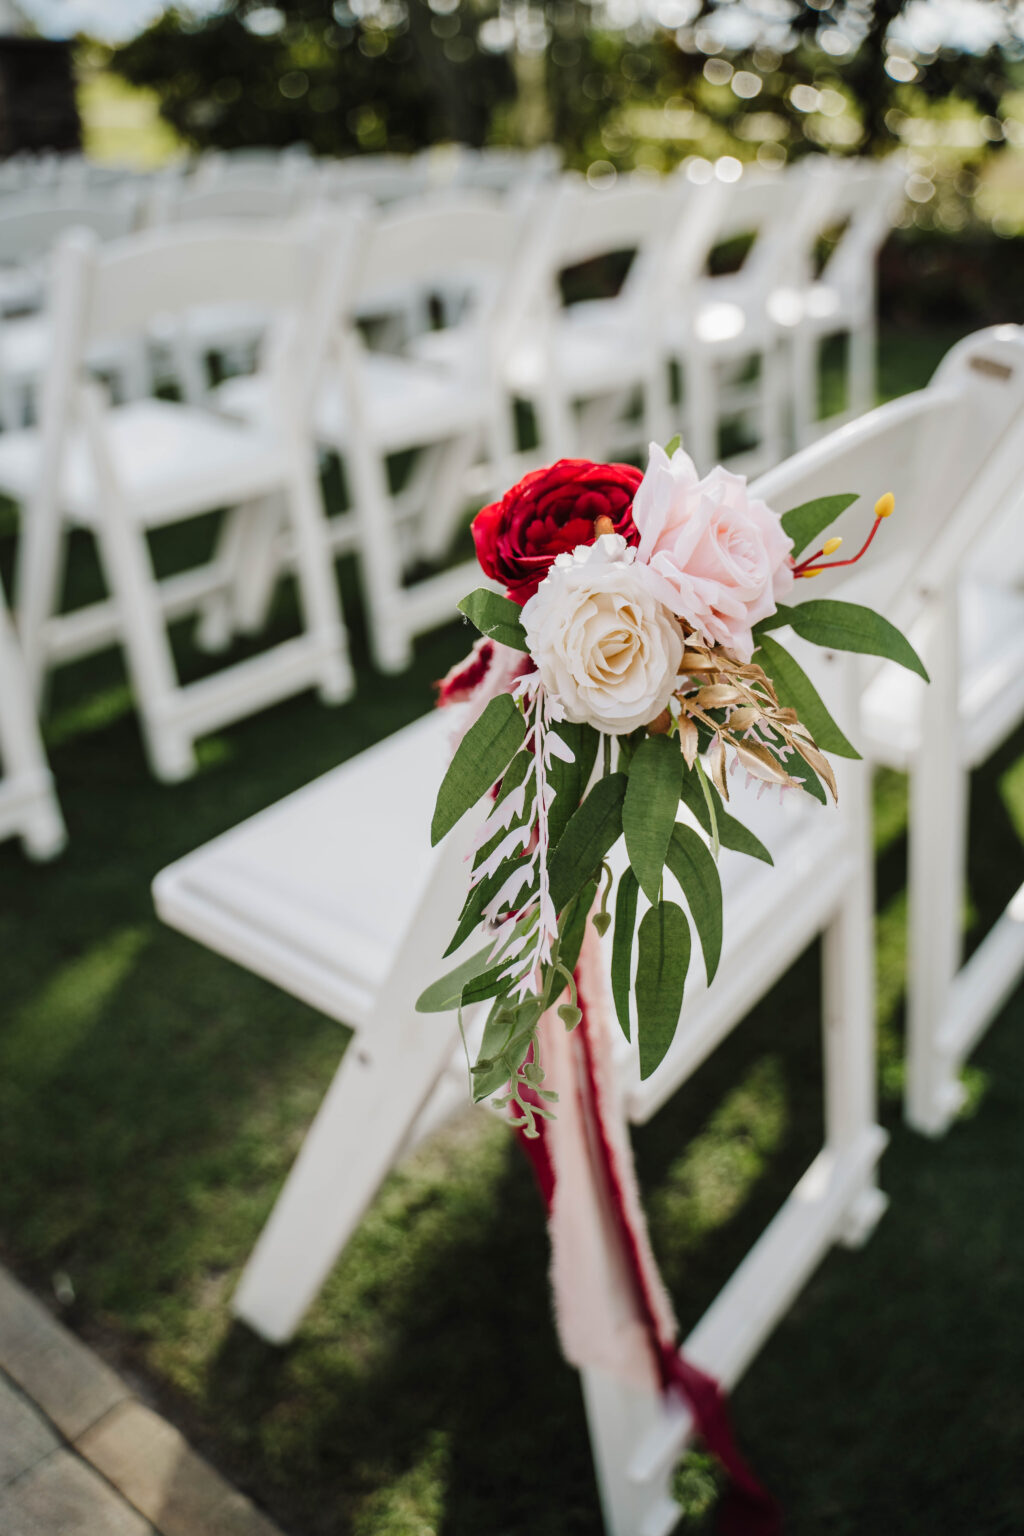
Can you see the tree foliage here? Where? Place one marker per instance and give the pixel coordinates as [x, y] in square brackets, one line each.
[403, 74]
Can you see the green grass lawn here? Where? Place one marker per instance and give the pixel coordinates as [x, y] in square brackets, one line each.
[152, 1097]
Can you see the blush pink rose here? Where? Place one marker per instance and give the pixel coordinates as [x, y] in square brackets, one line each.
[719, 557]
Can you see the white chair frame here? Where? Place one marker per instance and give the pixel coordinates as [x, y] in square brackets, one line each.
[466, 233]
[28, 801]
[229, 897]
[118, 291]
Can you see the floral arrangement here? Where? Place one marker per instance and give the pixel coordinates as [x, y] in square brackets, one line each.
[628, 667]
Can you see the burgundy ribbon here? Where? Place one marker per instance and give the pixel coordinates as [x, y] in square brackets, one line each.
[747, 1510]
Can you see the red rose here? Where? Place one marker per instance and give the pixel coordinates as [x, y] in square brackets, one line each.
[548, 512]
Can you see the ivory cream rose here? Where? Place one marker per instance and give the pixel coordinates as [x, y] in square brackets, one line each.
[607, 650]
[717, 555]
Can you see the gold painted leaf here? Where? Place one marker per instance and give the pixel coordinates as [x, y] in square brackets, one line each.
[757, 759]
[689, 739]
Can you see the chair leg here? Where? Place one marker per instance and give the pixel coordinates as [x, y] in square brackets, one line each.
[848, 1009]
[387, 1075]
[861, 366]
[441, 514]
[377, 1092]
[41, 552]
[701, 384]
[315, 572]
[770, 405]
[379, 557]
[939, 788]
[129, 573]
[804, 349]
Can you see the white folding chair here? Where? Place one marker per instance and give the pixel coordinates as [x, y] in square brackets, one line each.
[259, 896]
[447, 407]
[122, 471]
[384, 178]
[857, 203]
[821, 885]
[28, 802]
[721, 327]
[31, 223]
[966, 603]
[580, 366]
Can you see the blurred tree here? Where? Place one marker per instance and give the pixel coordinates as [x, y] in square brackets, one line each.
[388, 74]
[681, 78]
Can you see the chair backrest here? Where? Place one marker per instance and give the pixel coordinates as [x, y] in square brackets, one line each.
[31, 222]
[452, 238]
[771, 209]
[384, 178]
[952, 454]
[187, 203]
[503, 169]
[118, 292]
[455, 244]
[863, 197]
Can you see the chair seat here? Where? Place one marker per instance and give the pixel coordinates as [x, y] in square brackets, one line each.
[313, 892]
[408, 404]
[820, 306]
[992, 682]
[590, 350]
[169, 459]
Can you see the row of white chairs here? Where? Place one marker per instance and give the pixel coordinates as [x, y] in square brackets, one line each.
[489, 265]
[384, 176]
[305, 895]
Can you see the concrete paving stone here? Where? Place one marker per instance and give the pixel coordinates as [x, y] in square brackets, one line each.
[155, 1468]
[61, 1496]
[25, 1437]
[69, 1383]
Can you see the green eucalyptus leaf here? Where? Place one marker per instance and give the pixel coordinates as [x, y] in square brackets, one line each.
[649, 809]
[573, 925]
[496, 617]
[445, 993]
[847, 627]
[795, 689]
[663, 959]
[805, 523]
[593, 828]
[691, 864]
[622, 946]
[570, 780]
[482, 756]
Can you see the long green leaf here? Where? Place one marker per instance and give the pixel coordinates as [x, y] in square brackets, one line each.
[622, 946]
[795, 689]
[690, 861]
[573, 925]
[496, 617]
[731, 833]
[570, 780]
[444, 994]
[481, 757]
[850, 627]
[663, 959]
[592, 830]
[649, 810]
[811, 518]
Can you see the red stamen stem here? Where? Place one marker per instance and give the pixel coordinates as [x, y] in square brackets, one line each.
[831, 565]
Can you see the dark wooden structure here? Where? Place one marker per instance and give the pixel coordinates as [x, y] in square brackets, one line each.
[38, 110]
